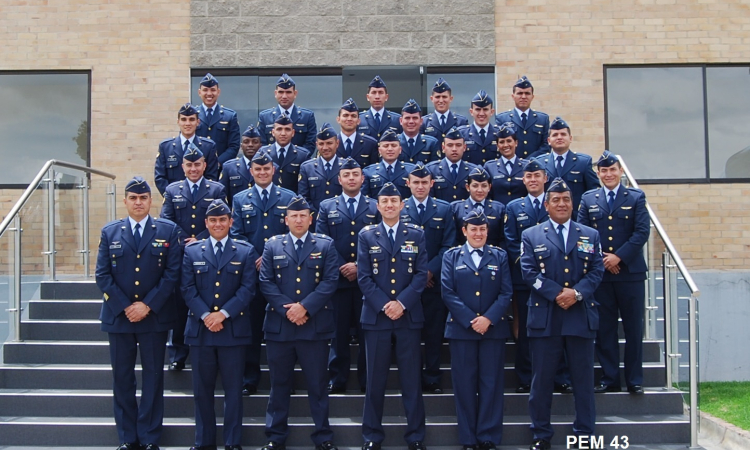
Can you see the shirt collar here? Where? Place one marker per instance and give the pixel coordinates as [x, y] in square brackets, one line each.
[190, 183]
[223, 242]
[483, 202]
[505, 160]
[142, 222]
[486, 128]
[332, 161]
[267, 189]
[394, 228]
[290, 109]
[205, 108]
[381, 111]
[183, 139]
[356, 198]
[248, 162]
[417, 202]
[519, 112]
[607, 191]
[564, 155]
[278, 147]
[294, 238]
[565, 225]
[540, 198]
[344, 137]
[446, 114]
[470, 249]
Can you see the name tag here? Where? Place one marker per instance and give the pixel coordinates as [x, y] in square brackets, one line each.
[540, 249]
[626, 207]
[469, 142]
[223, 123]
[313, 178]
[116, 246]
[199, 263]
[247, 207]
[235, 178]
[429, 129]
[333, 214]
[279, 257]
[172, 158]
[538, 126]
[236, 263]
[375, 250]
[491, 267]
[461, 267]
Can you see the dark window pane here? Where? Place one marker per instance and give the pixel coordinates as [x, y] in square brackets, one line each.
[403, 83]
[728, 90]
[464, 86]
[48, 120]
[239, 93]
[655, 120]
[319, 93]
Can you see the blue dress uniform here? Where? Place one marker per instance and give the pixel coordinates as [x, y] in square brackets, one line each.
[506, 186]
[431, 124]
[226, 282]
[222, 127]
[376, 176]
[236, 176]
[388, 121]
[477, 360]
[307, 276]
[168, 167]
[449, 187]
[424, 149]
[493, 210]
[478, 150]
[624, 230]
[288, 170]
[303, 121]
[547, 268]
[316, 184]
[128, 273]
[532, 135]
[364, 149]
[392, 271]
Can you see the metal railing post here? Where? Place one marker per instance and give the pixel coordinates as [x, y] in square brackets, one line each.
[667, 287]
[693, 332]
[15, 309]
[112, 201]
[51, 222]
[85, 250]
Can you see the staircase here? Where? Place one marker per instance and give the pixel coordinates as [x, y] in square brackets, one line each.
[56, 390]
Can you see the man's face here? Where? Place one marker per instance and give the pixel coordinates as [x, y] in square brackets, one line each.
[560, 140]
[534, 182]
[478, 190]
[389, 151]
[327, 148]
[209, 95]
[411, 123]
[194, 169]
[298, 222]
[522, 98]
[262, 174]
[454, 149]
[441, 101]
[507, 146]
[611, 175]
[390, 207]
[283, 134]
[219, 226]
[348, 121]
[377, 97]
[476, 235]
[351, 181]
[249, 146]
[188, 124]
[482, 115]
[559, 206]
[420, 187]
[285, 97]
[137, 205]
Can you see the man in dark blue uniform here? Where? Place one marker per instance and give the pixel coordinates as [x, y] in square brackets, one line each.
[362, 147]
[319, 177]
[507, 170]
[286, 156]
[450, 173]
[478, 185]
[392, 267]
[217, 122]
[481, 136]
[342, 218]
[477, 291]
[185, 203]
[435, 218]
[258, 214]
[137, 268]
[532, 127]
[303, 120]
[574, 168]
[218, 283]
[440, 121]
[416, 147]
[377, 120]
[235, 173]
[168, 167]
[561, 262]
[298, 276]
[390, 169]
[619, 214]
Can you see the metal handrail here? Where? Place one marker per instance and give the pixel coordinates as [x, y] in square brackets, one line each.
[38, 179]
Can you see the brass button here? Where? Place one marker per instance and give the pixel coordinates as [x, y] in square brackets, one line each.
[136, 296]
[610, 217]
[265, 227]
[216, 296]
[138, 256]
[566, 258]
[610, 227]
[393, 281]
[354, 223]
[567, 270]
[193, 206]
[509, 179]
[567, 284]
[192, 226]
[610, 238]
[218, 284]
[299, 268]
[353, 244]
[477, 296]
[265, 214]
[393, 270]
[137, 283]
[216, 308]
[536, 304]
[299, 280]
[393, 259]
[137, 269]
[352, 233]
[298, 291]
[193, 216]
[476, 273]
[393, 292]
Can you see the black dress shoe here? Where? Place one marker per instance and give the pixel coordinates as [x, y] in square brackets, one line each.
[176, 367]
[232, 447]
[487, 445]
[273, 446]
[540, 444]
[431, 388]
[327, 445]
[203, 447]
[336, 389]
[523, 389]
[563, 389]
[469, 447]
[128, 446]
[150, 447]
[369, 445]
[636, 389]
[602, 388]
[249, 389]
[417, 445]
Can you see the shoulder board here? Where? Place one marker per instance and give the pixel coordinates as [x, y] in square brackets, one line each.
[241, 242]
[226, 109]
[413, 226]
[168, 140]
[369, 227]
[440, 202]
[205, 139]
[195, 242]
[323, 236]
[285, 191]
[304, 109]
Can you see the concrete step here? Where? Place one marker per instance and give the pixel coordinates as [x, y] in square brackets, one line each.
[83, 289]
[98, 403]
[46, 431]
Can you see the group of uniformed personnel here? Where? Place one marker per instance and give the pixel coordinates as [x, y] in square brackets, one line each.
[401, 229]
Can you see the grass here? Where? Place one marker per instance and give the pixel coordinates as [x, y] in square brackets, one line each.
[729, 401]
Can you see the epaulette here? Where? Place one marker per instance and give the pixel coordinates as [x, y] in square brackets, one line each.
[322, 236]
[304, 109]
[226, 109]
[369, 227]
[241, 242]
[168, 140]
[440, 202]
[413, 226]
[205, 139]
[195, 242]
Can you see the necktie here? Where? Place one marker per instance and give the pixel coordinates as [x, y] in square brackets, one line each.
[523, 120]
[537, 207]
[482, 134]
[389, 170]
[209, 114]
[454, 170]
[348, 147]
[328, 168]
[479, 252]
[611, 201]
[282, 154]
[421, 212]
[187, 144]
[264, 199]
[137, 236]
[479, 207]
[477, 256]
[195, 192]
[442, 121]
[351, 207]
[299, 247]
[560, 229]
[391, 236]
[377, 121]
[411, 145]
[559, 164]
[219, 251]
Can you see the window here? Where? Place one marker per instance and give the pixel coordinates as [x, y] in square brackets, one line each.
[49, 119]
[679, 123]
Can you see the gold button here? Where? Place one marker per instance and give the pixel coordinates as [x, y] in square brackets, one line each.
[352, 233]
[137, 283]
[353, 242]
[610, 238]
[218, 284]
[566, 258]
[611, 249]
[113, 256]
[525, 142]
[393, 259]
[137, 269]
[265, 214]
[354, 223]
[509, 193]
[299, 268]
[136, 295]
[327, 184]
[393, 270]
[298, 291]
[567, 270]
[192, 226]
[610, 217]
[299, 280]
[218, 272]
[477, 293]
[610, 227]
[216, 296]
[509, 179]
[393, 281]
[193, 206]
[242, 313]
[327, 192]
[476, 273]
[524, 132]
[536, 304]
[216, 308]
[567, 284]
[265, 227]
[138, 256]
[193, 216]
[393, 292]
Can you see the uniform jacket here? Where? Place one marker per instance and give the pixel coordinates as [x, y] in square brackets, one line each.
[310, 280]
[477, 151]
[236, 177]
[447, 187]
[304, 126]
[223, 131]
[624, 230]
[256, 224]
[315, 185]
[392, 272]
[147, 274]
[364, 150]
[376, 176]
[576, 171]
[189, 214]
[168, 167]
[287, 174]
[431, 125]
[495, 212]
[470, 291]
[547, 268]
[520, 215]
[532, 140]
[368, 126]
[506, 186]
[426, 149]
[210, 285]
